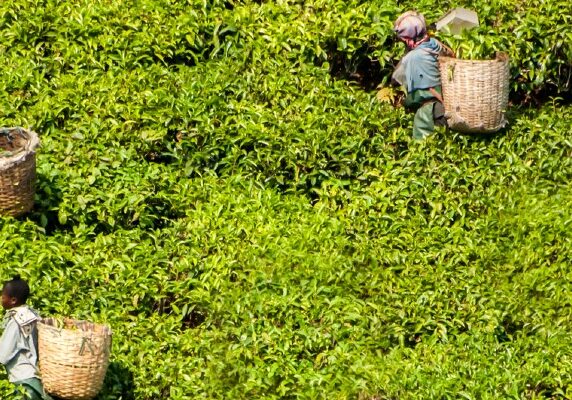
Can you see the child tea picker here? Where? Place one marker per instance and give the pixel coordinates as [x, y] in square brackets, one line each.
[418, 73]
[19, 342]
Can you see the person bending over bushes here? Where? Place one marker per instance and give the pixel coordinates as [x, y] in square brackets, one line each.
[19, 342]
[418, 73]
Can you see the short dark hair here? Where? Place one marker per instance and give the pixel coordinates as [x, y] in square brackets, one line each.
[18, 288]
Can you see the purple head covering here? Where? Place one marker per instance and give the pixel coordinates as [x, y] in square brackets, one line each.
[410, 26]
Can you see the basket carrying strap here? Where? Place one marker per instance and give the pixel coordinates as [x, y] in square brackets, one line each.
[436, 94]
[447, 51]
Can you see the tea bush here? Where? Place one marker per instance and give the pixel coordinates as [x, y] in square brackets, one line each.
[216, 185]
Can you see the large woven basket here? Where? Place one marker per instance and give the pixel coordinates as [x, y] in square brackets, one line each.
[73, 357]
[17, 170]
[475, 93]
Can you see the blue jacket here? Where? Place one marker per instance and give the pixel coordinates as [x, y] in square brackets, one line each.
[420, 67]
[19, 344]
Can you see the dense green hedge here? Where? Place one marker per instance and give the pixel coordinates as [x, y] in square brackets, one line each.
[253, 226]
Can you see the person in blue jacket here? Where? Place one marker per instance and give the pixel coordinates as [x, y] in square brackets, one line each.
[418, 73]
[19, 341]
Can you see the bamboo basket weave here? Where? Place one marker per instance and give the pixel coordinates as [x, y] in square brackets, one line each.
[17, 170]
[475, 93]
[73, 357]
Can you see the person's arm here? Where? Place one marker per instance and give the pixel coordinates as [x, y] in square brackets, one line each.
[8, 342]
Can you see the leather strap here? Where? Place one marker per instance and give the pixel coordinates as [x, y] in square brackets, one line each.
[436, 94]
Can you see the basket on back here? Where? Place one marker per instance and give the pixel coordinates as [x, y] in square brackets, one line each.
[73, 357]
[475, 93]
[17, 170]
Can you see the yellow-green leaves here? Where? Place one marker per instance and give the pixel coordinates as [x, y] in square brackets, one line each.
[254, 227]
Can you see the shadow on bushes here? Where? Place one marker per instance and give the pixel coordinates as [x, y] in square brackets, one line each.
[156, 213]
[118, 383]
[360, 66]
[47, 201]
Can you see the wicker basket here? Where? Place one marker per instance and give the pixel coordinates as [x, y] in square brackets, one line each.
[73, 357]
[475, 93]
[17, 170]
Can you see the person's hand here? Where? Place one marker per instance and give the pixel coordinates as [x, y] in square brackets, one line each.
[399, 100]
[386, 95]
[390, 95]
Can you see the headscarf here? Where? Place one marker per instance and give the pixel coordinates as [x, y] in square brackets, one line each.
[411, 28]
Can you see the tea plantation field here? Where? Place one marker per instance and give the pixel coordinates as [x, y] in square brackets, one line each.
[219, 183]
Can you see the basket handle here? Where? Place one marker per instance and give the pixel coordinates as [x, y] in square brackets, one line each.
[86, 342]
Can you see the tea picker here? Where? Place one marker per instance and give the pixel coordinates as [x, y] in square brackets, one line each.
[64, 358]
[19, 341]
[418, 72]
[468, 96]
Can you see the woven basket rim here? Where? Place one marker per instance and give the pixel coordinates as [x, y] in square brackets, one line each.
[101, 329]
[32, 142]
[501, 57]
